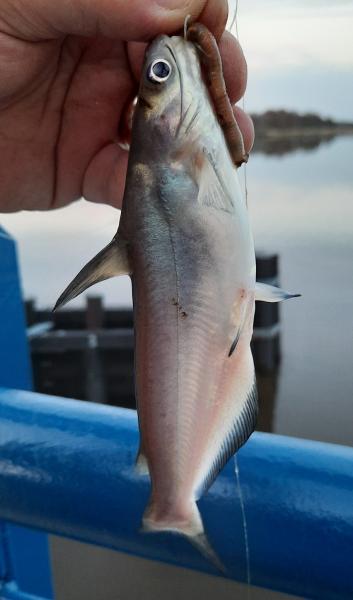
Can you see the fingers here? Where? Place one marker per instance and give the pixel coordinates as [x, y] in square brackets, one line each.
[104, 180]
[246, 127]
[117, 19]
[214, 15]
[234, 66]
[136, 54]
[90, 116]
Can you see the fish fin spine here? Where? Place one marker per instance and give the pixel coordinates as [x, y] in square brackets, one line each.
[111, 261]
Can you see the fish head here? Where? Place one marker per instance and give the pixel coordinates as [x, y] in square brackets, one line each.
[169, 84]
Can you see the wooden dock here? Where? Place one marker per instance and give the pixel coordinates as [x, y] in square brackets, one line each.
[88, 354]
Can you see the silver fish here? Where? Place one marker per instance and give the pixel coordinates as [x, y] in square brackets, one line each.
[184, 237]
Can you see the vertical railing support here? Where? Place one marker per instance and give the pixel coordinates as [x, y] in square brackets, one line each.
[18, 544]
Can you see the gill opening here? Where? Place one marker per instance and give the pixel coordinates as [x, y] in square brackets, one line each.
[181, 88]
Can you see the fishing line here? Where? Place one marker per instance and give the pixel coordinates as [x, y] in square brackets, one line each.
[236, 465]
[245, 525]
[235, 22]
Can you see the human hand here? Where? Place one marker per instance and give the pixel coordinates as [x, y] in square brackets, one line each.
[68, 71]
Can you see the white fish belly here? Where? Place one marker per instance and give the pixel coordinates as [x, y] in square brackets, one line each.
[191, 394]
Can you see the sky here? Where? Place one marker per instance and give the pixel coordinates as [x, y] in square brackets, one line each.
[299, 54]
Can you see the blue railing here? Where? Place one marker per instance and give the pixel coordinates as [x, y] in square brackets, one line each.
[24, 558]
[66, 467]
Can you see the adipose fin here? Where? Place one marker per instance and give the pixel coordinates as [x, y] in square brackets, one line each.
[270, 293]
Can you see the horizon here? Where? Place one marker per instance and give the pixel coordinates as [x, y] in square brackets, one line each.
[299, 55]
[300, 113]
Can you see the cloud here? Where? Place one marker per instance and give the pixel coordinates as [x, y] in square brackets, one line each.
[284, 38]
[290, 6]
[299, 54]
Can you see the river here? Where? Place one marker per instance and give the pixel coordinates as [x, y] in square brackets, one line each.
[301, 206]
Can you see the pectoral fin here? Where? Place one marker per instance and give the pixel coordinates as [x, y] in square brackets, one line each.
[234, 344]
[109, 262]
[270, 293]
[212, 189]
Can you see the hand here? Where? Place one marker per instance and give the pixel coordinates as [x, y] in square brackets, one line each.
[68, 70]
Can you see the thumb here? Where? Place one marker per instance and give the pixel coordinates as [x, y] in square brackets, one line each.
[136, 20]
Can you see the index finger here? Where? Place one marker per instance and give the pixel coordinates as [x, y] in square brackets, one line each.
[139, 20]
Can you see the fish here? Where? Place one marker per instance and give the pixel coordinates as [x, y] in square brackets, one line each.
[184, 238]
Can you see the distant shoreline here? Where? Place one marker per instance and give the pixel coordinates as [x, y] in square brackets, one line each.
[324, 131]
[278, 132]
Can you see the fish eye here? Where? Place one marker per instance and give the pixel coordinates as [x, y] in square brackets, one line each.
[159, 71]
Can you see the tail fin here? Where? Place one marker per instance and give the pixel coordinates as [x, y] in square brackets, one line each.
[201, 542]
[191, 527]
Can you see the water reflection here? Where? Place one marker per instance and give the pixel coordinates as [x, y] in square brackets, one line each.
[302, 207]
[279, 145]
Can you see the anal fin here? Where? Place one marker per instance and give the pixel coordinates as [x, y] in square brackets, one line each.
[242, 427]
[141, 464]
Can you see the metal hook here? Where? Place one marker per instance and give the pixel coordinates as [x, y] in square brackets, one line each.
[186, 23]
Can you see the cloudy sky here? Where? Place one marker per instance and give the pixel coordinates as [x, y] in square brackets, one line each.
[299, 53]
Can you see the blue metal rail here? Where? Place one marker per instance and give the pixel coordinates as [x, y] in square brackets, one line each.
[25, 571]
[67, 467]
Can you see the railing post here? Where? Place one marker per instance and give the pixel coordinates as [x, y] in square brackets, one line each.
[15, 370]
[20, 548]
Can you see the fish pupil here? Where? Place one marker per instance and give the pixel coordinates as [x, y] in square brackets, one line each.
[159, 71]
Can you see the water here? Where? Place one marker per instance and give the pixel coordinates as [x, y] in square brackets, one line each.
[301, 206]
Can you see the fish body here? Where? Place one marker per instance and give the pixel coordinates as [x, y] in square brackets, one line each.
[184, 237]
[193, 260]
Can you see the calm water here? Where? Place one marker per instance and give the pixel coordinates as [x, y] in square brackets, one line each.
[301, 207]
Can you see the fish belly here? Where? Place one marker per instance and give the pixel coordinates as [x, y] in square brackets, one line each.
[196, 404]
